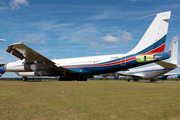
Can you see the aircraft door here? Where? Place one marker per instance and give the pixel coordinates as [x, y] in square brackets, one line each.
[123, 61]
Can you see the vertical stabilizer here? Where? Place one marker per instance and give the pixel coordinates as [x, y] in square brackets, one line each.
[173, 50]
[153, 40]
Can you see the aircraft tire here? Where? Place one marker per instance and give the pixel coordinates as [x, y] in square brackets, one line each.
[24, 78]
[152, 80]
[83, 79]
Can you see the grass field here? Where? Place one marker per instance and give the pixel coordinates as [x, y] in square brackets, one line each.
[89, 100]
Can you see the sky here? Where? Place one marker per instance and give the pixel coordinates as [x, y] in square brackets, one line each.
[78, 28]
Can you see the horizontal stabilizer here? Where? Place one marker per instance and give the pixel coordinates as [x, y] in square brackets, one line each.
[166, 64]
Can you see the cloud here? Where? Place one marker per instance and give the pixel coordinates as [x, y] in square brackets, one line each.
[50, 25]
[123, 35]
[111, 39]
[105, 15]
[33, 40]
[92, 43]
[1, 2]
[1, 58]
[60, 46]
[126, 36]
[15, 4]
[3, 8]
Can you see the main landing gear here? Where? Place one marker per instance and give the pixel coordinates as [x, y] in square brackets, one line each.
[152, 80]
[24, 78]
[61, 78]
[136, 80]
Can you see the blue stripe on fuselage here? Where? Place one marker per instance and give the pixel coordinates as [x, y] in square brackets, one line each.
[116, 67]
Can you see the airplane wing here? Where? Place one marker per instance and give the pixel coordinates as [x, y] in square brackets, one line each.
[166, 64]
[1, 65]
[22, 51]
[124, 74]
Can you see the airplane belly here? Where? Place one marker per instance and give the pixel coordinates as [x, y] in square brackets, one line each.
[155, 73]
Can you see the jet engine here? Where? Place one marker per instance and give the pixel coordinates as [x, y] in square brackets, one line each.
[19, 67]
[30, 74]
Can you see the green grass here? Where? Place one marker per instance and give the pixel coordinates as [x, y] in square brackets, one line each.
[89, 100]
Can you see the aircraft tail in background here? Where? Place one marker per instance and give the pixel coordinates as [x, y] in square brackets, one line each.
[153, 41]
[173, 50]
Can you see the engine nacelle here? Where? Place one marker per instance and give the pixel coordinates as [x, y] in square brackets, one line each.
[19, 66]
[163, 77]
[30, 74]
[178, 76]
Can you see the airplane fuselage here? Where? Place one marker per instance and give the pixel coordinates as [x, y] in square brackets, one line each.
[105, 64]
[148, 72]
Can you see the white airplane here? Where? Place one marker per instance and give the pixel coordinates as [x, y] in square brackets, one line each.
[157, 70]
[149, 49]
[1, 40]
[164, 77]
[2, 71]
[1, 65]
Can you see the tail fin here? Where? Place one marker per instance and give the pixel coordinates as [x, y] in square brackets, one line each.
[172, 62]
[154, 39]
[173, 50]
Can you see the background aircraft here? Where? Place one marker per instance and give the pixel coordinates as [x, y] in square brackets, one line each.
[149, 49]
[2, 71]
[157, 70]
[164, 77]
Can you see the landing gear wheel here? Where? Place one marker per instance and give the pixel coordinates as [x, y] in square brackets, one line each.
[136, 80]
[128, 80]
[152, 80]
[63, 78]
[83, 79]
[24, 78]
[60, 78]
